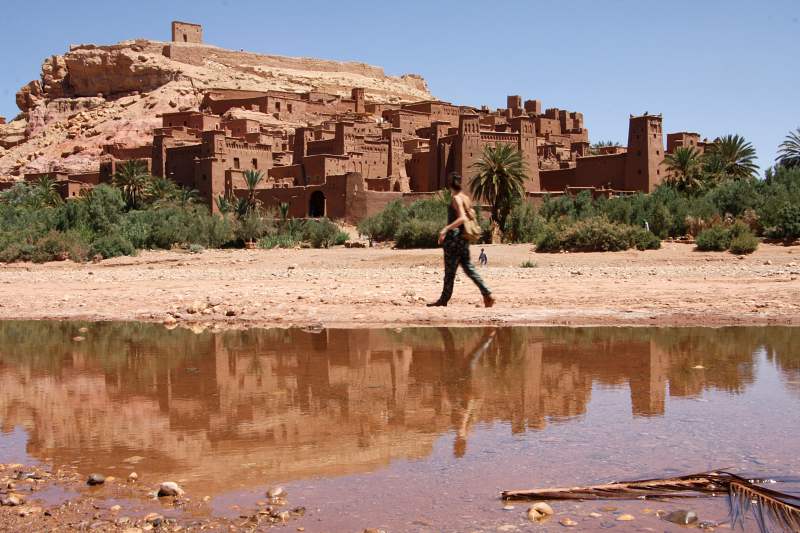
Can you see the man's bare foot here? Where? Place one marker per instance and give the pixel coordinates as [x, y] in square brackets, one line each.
[437, 303]
[488, 300]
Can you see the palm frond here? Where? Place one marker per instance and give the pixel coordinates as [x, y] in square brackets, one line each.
[789, 150]
[772, 510]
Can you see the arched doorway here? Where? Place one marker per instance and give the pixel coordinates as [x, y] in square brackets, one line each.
[316, 205]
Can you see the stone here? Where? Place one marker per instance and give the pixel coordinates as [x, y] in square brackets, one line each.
[276, 492]
[96, 479]
[169, 488]
[625, 518]
[133, 476]
[543, 508]
[508, 507]
[115, 508]
[154, 519]
[567, 522]
[682, 517]
[595, 514]
[12, 500]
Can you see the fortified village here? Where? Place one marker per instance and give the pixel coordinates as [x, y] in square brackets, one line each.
[348, 155]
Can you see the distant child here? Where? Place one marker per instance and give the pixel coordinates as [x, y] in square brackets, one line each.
[482, 259]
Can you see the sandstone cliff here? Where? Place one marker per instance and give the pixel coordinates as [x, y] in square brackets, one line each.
[96, 95]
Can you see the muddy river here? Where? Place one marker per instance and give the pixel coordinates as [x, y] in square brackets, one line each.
[413, 429]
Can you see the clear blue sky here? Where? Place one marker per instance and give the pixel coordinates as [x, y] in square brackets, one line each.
[710, 66]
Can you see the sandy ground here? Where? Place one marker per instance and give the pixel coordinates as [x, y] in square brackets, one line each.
[383, 287]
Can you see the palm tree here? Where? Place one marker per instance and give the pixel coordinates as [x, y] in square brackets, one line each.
[683, 166]
[45, 191]
[735, 155]
[283, 210]
[500, 180]
[225, 204]
[252, 179]
[160, 190]
[133, 178]
[186, 196]
[789, 150]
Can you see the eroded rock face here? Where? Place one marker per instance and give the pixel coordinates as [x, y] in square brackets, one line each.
[110, 72]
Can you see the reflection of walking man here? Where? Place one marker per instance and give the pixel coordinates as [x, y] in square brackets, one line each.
[482, 259]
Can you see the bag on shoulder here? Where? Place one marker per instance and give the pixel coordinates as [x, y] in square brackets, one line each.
[472, 230]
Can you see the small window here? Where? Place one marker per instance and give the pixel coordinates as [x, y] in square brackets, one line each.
[277, 106]
[289, 107]
[255, 163]
[235, 162]
[204, 177]
[640, 172]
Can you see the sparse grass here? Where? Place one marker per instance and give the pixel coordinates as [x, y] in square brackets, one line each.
[528, 264]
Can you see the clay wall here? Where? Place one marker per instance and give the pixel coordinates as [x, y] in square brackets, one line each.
[242, 155]
[191, 119]
[242, 127]
[334, 189]
[179, 164]
[186, 32]
[548, 126]
[601, 171]
[684, 139]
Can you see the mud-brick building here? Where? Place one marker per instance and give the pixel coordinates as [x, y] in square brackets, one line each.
[637, 168]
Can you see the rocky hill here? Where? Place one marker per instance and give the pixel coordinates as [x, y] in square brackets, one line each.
[96, 95]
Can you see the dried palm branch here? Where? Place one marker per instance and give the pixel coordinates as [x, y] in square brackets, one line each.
[771, 509]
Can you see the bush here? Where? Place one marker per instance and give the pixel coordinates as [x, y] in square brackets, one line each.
[58, 246]
[321, 233]
[250, 227]
[112, 245]
[596, 234]
[528, 264]
[524, 224]
[644, 240]
[417, 233]
[744, 244]
[283, 240]
[714, 239]
[787, 223]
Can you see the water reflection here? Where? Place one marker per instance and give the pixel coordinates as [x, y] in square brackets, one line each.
[297, 404]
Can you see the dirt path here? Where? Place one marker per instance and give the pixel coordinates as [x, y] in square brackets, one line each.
[385, 287]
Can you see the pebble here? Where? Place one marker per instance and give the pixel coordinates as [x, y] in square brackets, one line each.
[276, 492]
[682, 517]
[625, 518]
[169, 488]
[133, 476]
[595, 514]
[154, 519]
[12, 500]
[96, 479]
[568, 522]
[508, 508]
[115, 508]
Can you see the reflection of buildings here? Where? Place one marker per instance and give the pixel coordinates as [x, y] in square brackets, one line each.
[294, 404]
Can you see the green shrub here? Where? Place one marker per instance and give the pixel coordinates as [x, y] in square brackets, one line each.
[112, 245]
[528, 264]
[744, 244]
[787, 223]
[418, 233]
[714, 239]
[250, 227]
[321, 233]
[548, 240]
[57, 246]
[643, 239]
[341, 238]
[283, 240]
[524, 224]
